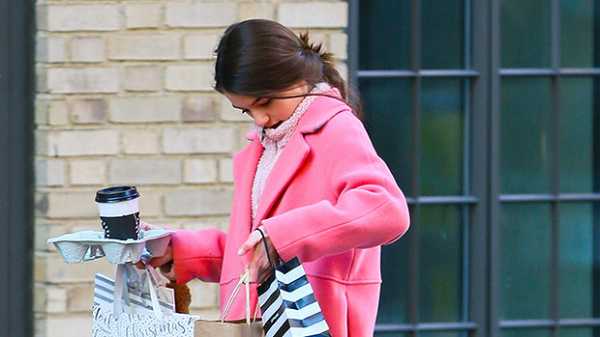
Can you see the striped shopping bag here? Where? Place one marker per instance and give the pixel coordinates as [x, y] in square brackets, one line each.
[287, 302]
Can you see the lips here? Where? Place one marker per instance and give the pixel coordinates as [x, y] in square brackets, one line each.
[274, 125]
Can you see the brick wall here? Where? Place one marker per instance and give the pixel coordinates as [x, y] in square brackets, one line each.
[124, 97]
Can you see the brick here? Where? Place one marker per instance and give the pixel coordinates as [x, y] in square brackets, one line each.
[45, 231]
[256, 10]
[142, 15]
[79, 297]
[41, 78]
[230, 114]
[64, 18]
[51, 49]
[82, 80]
[140, 141]
[150, 203]
[58, 113]
[88, 172]
[56, 299]
[198, 109]
[198, 140]
[83, 142]
[313, 14]
[204, 295]
[200, 15]
[88, 111]
[39, 298]
[338, 45]
[41, 110]
[65, 326]
[49, 172]
[200, 171]
[145, 47]
[198, 77]
[143, 78]
[198, 202]
[226, 170]
[67, 204]
[145, 171]
[88, 49]
[41, 142]
[200, 46]
[140, 109]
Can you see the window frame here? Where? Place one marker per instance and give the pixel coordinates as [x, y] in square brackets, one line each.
[484, 198]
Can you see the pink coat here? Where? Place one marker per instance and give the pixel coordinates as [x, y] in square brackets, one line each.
[329, 200]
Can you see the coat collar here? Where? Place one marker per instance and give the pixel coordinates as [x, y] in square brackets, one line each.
[290, 160]
[321, 110]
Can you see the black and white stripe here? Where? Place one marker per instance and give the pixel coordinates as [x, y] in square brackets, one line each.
[288, 305]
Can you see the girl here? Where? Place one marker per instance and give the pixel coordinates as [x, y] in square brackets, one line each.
[309, 178]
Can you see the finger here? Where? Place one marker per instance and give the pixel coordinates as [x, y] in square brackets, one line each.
[252, 240]
[140, 265]
[169, 274]
[161, 260]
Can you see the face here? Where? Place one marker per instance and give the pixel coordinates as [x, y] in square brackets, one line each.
[269, 112]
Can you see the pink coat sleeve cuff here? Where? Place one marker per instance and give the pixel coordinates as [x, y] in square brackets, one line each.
[198, 254]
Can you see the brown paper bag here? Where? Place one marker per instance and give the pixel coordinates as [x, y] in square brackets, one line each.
[227, 329]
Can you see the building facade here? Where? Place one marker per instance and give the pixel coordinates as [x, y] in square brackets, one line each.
[485, 111]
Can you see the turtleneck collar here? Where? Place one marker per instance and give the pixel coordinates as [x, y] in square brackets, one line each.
[281, 133]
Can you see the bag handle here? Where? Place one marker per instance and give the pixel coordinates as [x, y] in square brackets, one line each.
[264, 241]
[244, 279]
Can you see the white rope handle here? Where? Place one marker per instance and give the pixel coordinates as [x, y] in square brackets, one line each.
[154, 297]
[244, 279]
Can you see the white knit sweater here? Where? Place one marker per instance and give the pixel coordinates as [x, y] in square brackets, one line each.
[274, 141]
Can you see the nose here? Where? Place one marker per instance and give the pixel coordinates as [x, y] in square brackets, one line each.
[260, 118]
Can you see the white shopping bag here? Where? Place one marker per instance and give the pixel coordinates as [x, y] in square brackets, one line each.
[137, 295]
[125, 318]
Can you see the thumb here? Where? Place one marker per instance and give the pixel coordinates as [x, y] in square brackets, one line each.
[249, 244]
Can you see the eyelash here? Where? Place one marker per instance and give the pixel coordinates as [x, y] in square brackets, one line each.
[247, 111]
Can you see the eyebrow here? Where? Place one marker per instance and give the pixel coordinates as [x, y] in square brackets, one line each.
[251, 104]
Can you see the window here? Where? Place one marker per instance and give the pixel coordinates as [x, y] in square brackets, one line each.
[487, 113]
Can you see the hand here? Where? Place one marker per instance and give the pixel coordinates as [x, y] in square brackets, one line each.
[258, 265]
[165, 262]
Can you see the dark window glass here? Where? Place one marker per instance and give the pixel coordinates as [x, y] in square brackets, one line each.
[442, 136]
[576, 253]
[525, 135]
[525, 333]
[525, 261]
[525, 33]
[393, 300]
[578, 332]
[391, 334]
[441, 263]
[579, 33]
[387, 105]
[443, 34]
[578, 153]
[384, 34]
[443, 334]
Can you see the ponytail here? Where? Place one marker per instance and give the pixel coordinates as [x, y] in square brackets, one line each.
[329, 72]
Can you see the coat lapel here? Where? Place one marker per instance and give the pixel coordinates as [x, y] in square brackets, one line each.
[289, 161]
[245, 164]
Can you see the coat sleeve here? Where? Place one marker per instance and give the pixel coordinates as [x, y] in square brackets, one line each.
[370, 210]
[198, 254]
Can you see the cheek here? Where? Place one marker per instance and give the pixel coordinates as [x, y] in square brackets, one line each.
[281, 109]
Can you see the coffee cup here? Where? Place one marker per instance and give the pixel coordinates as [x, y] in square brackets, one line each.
[119, 211]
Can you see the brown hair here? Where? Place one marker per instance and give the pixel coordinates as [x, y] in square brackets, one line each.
[261, 57]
